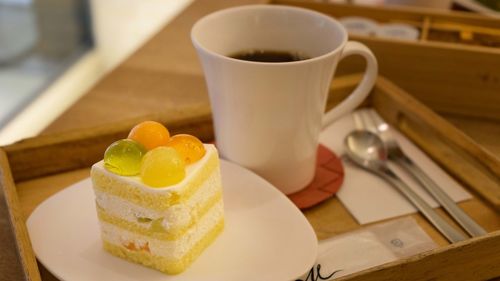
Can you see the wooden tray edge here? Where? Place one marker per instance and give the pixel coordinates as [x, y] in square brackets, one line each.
[23, 243]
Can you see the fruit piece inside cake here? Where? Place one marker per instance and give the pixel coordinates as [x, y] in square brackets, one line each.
[158, 198]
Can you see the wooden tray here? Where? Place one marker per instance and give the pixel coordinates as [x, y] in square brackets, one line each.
[451, 74]
[36, 168]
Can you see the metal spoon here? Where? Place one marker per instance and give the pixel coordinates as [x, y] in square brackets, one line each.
[368, 151]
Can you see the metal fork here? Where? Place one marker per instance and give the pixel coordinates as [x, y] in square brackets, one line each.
[369, 119]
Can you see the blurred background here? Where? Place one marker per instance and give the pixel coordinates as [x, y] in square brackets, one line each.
[53, 51]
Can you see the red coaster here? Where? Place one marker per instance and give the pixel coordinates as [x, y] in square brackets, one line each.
[327, 180]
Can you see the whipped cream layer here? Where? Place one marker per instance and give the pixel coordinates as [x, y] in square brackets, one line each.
[178, 215]
[171, 250]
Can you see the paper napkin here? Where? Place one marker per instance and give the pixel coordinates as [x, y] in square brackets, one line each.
[368, 197]
[368, 247]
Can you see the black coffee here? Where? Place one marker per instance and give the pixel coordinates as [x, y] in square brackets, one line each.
[268, 56]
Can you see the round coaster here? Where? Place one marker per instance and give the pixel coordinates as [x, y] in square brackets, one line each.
[327, 180]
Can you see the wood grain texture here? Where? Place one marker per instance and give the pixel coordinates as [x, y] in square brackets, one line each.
[17, 260]
[486, 132]
[464, 166]
[34, 191]
[10, 262]
[129, 94]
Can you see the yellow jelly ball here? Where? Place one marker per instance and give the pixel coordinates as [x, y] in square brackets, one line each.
[189, 147]
[162, 166]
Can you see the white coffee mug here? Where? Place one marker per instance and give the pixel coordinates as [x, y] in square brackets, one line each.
[268, 116]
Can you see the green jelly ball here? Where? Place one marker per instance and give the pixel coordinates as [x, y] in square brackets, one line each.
[124, 157]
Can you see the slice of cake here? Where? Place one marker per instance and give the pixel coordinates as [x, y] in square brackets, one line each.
[167, 209]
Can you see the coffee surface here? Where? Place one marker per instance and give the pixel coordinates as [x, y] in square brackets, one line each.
[268, 56]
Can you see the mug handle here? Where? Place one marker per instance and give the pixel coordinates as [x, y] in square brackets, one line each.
[364, 87]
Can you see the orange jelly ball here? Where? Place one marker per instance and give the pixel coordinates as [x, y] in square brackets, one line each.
[151, 134]
[189, 147]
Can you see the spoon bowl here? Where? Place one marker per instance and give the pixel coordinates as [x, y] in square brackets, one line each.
[366, 149]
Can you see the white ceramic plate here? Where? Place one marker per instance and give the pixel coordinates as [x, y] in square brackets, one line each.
[265, 237]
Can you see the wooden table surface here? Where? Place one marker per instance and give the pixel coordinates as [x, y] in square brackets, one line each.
[164, 75]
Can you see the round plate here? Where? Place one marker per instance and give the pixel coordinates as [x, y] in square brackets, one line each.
[265, 237]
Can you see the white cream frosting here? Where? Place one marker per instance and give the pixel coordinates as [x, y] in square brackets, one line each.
[173, 250]
[191, 170]
[178, 215]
